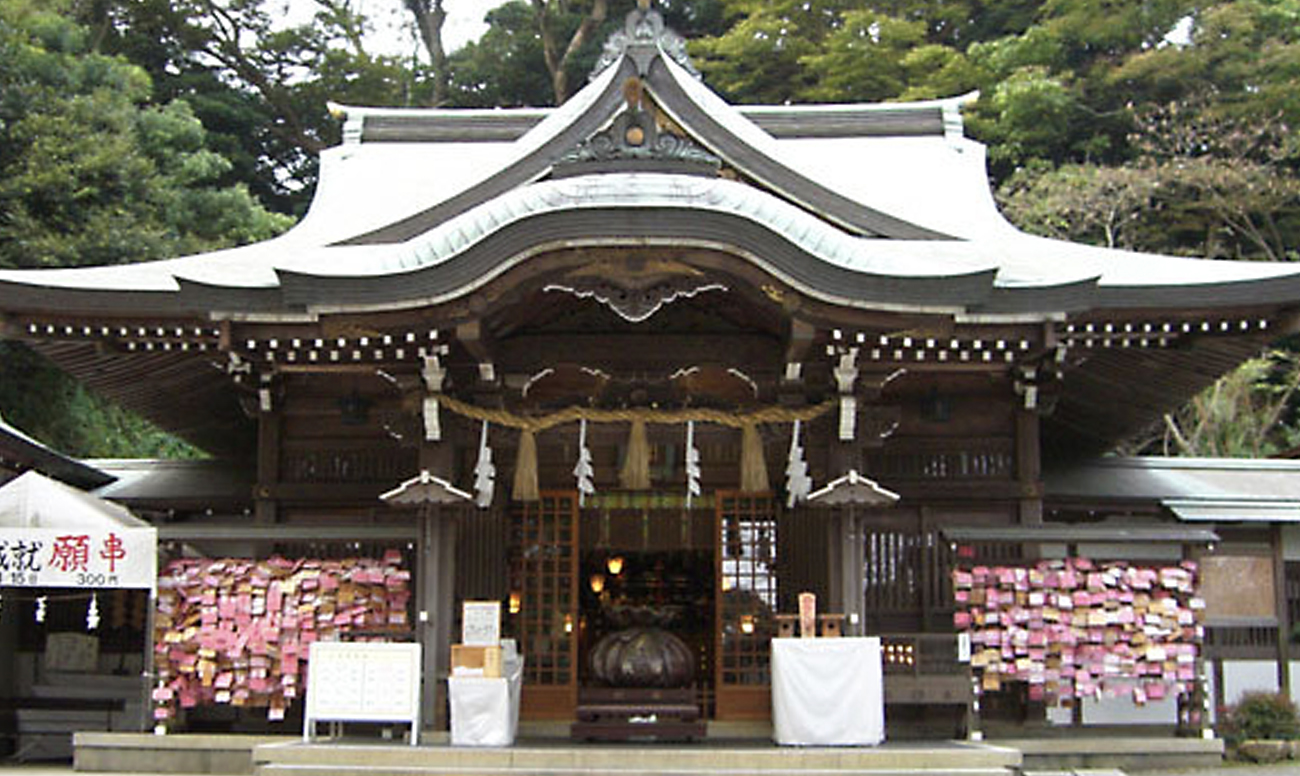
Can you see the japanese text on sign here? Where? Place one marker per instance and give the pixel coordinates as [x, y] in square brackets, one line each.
[45, 557]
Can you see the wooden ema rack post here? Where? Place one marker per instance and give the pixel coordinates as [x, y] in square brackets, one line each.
[828, 626]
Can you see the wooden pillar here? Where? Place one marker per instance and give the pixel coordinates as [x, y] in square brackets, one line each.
[1283, 611]
[849, 603]
[844, 548]
[1029, 473]
[435, 595]
[857, 556]
[268, 465]
[436, 603]
[835, 585]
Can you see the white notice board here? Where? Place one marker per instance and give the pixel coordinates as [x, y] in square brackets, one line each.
[480, 623]
[363, 682]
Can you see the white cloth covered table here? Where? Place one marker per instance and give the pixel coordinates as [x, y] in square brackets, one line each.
[827, 692]
[485, 711]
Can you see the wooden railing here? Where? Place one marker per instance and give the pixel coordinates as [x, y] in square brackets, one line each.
[1242, 641]
[952, 461]
[355, 464]
[922, 668]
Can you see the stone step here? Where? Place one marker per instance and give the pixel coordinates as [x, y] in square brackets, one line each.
[648, 770]
[704, 759]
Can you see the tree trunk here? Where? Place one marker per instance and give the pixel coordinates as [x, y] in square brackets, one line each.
[556, 63]
[429, 17]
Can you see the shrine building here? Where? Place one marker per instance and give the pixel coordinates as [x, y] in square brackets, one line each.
[661, 356]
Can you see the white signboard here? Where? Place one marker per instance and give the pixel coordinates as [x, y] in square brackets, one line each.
[78, 557]
[363, 682]
[480, 623]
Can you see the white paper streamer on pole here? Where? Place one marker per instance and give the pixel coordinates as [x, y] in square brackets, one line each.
[484, 472]
[797, 482]
[92, 613]
[40, 608]
[692, 465]
[584, 471]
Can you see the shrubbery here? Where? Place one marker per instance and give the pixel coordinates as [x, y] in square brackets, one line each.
[1260, 716]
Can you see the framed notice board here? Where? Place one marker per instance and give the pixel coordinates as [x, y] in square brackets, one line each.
[363, 682]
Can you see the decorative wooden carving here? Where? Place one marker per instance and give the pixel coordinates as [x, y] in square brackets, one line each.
[636, 135]
[635, 304]
[644, 34]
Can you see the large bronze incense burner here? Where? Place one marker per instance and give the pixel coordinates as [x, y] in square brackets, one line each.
[642, 653]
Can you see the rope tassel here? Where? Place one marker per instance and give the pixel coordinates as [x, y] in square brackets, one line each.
[636, 467]
[526, 468]
[753, 468]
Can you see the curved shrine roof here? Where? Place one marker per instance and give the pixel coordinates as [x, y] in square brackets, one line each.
[882, 207]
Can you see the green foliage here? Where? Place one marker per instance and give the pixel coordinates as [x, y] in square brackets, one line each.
[1245, 414]
[1260, 716]
[504, 68]
[53, 408]
[1088, 203]
[259, 89]
[759, 59]
[863, 60]
[92, 174]
[1030, 115]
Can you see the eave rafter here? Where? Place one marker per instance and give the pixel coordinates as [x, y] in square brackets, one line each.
[134, 335]
[1145, 332]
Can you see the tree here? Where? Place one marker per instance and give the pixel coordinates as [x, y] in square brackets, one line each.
[759, 59]
[1085, 203]
[566, 28]
[90, 172]
[505, 67]
[429, 17]
[508, 65]
[1241, 416]
[259, 88]
[863, 59]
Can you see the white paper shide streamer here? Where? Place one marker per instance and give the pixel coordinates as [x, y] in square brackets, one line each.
[485, 473]
[692, 465]
[584, 471]
[92, 613]
[797, 482]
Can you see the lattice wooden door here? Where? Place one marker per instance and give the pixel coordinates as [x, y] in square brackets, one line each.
[544, 590]
[747, 596]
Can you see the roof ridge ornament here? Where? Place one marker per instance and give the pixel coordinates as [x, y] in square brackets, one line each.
[644, 37]
[634, 136]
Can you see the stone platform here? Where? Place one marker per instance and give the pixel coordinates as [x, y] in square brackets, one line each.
[729, 749]
[555, 758]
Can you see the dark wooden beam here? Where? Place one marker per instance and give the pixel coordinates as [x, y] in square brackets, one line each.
[480, 345]
[651, 350]
[325, 492]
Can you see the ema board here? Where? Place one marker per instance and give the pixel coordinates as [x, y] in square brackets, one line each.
[363, 682]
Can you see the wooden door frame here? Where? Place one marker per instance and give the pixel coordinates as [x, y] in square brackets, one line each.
[556, 701]
[734, 702]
